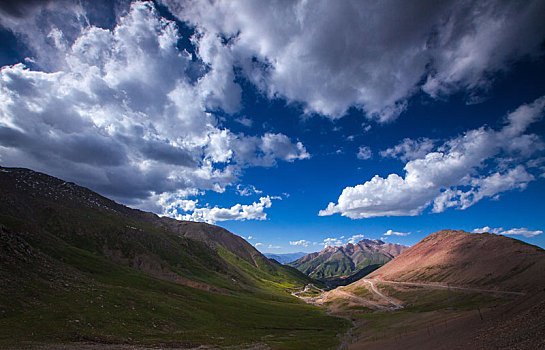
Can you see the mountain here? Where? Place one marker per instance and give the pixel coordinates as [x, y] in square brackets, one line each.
[458, 290]
[339, 265]
[469, 259]
[76, 266]
[286, 257]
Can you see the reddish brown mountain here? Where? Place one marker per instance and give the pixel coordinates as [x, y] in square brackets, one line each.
[470, 259]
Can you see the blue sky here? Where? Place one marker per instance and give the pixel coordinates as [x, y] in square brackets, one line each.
[297, 124]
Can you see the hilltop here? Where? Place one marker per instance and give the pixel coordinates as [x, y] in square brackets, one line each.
[76, 266]
[340, 265]
[469, 259]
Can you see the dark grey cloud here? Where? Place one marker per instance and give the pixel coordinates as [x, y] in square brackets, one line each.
[76, 148]
[373, 55]
[115, 109]
[21, 8]
[167, 154]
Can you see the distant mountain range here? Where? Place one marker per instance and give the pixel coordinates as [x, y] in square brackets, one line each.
[76, 266]
[286, 257]
[340, 265]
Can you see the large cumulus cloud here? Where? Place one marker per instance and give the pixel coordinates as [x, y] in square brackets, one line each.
[187, 209]
[121, 111]
[462, 171]
[373, 55]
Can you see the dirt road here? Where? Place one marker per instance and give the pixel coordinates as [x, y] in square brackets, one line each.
[442, 286]
[396, 306]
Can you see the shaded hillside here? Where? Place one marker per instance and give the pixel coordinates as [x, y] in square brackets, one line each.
[285, 258]
[472, 259]
[77, 266]
[333, 264]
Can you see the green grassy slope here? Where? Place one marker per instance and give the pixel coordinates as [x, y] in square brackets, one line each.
[75, 266]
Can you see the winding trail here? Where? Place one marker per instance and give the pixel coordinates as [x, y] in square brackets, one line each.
[396, 306]
[442, 286]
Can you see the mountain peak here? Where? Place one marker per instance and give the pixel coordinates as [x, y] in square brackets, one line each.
[340, 264]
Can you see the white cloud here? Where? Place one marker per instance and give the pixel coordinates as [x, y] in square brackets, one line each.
[250, 237]
[332, 242]
[265, 150]
[516, 178]
[218, 86]
[301, 242]
[247, 190]
[258, 244]
[487, 229]
[122, 112]
[270, 246]
[393, 233]
[521, 231]
[244, 121]
[372, 55]
[514, 231]
[364, 152]
[279, 146]
[450, 175]
[409, 149]
[239, 212]
[355, 238]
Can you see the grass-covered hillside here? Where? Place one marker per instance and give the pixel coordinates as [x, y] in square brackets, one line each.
[75, 266]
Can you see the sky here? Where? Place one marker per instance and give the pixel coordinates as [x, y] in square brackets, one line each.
[294, 124]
